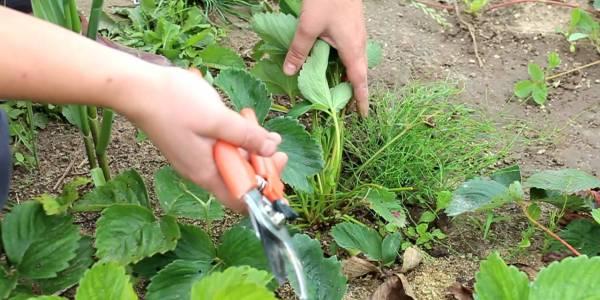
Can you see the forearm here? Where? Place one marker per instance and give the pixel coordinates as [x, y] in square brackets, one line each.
[46, 63]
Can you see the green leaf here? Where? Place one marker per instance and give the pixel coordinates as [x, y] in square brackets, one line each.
[340, 95]
[105, 281]
[573, 202]
[71, 275]
[126, 188]
[390, 247]
[277, 82]
[427, 217]
[571, 278]
[442, 200]
[182, 198]
[292, 7]
[299, 109]
[59, 204]
[51, 11]
[48, 298]
[149, 266]
[218, 57]
[324, 276]
[523, 88]
[535, 72]
[240, 246]
[312, 80]
[194, 244]
[353, 237]
[8, 282]
[241, 283]
[245, 91]
[567, 181]
[497, 281]
[553, 60]
[71, 113]
[508, 175]
[596, 215]
[540, 93]
[385, 204]
[305, 157]
[175, 280]
[39, 245]
[534, 211]
[127, 233]
[374, 53]
[583, 235]
[577, 36]
[477, 194]
[276, 29]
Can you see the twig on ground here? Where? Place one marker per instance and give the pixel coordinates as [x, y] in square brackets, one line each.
[471, 31]
[65, 173]
[573, 70]
[508, 3]
[548, 231]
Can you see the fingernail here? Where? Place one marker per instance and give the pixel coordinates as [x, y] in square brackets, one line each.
[275, 137]
[268, 148]
[289, 69]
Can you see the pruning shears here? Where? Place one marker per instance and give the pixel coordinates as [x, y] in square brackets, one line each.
[256, 181]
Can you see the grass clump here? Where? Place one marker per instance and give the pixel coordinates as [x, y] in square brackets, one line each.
[417, 138]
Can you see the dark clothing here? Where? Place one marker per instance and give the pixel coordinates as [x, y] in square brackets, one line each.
[20, 5]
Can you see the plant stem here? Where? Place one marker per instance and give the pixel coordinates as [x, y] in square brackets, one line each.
[573, 70]
[87, 138]
[32, 132]
[388, 144]
[103, 140]
[546, 230]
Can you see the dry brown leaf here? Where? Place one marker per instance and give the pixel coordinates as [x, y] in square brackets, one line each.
[394, 288]
[460, 292]
[356, 267]
[411, 258]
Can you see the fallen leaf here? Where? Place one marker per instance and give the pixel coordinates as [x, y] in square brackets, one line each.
[394, 288]
[356, 267]
[460, 292]
[411, 258]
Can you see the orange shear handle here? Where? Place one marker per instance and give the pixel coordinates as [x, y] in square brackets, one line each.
[240, 175]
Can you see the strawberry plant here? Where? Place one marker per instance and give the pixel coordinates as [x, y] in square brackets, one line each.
[582, 26]
[536, 86]
[566, 190]
[180, 32]
[46, 253]
[358, 238]
[571, 278]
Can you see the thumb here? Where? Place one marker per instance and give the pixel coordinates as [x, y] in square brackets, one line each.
[299, 49]
[232, 128]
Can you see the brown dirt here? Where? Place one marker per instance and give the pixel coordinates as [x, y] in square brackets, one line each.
[565, 133]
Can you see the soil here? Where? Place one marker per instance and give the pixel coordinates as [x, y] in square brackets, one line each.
[565, 133]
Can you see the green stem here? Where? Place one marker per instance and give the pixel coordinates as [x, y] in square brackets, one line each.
[103, 140]
[74, 16]
[94, 19]
[32, 132]
[87, 137]
[381, 150]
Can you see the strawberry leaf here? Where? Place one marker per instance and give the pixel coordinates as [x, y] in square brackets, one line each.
[305, 157]
[495, 280]
[40, 246]
[105, 281]
[182, 198]
[128, 233]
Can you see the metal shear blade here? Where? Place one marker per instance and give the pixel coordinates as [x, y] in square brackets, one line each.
[276, 240]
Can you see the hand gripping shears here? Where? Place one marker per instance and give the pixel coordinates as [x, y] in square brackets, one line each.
[256, 181]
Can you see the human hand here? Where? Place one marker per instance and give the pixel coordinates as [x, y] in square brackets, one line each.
[183, 116]
[341, 24]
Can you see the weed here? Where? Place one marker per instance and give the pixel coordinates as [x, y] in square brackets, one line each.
[475, 6]
[417, 138]
[582, 27]
[536, 86]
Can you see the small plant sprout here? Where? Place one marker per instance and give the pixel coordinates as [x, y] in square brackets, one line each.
[536, 86]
